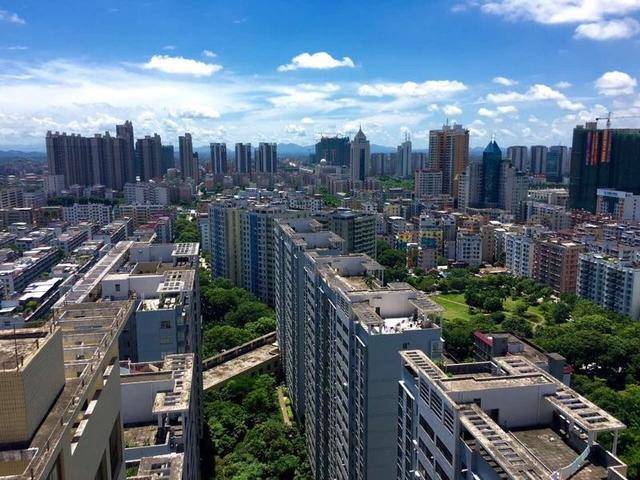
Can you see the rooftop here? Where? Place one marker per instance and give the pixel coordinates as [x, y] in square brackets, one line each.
[228, 370]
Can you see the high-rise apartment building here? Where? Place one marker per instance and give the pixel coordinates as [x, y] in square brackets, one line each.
[244, 163]
[335, 150]
[514, 190]
[505, 418]
[449, 152]
[149, 155]
[518, 155]
[469, 248]
[427, 183]
[603, 158]
[168, 158]
[188, 161]
[242, 243]
[610, 282]
[219, 158]
[357, 229]
[125, 133]
[360, 157]
[555, 263]
[353, 329]
[405, 166]
[108, 165]
[293, 239]
[539, 159]
[518, 254]
[69, 156]
[557, 161]
[267, 158]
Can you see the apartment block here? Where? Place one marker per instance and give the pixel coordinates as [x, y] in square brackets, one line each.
[554, 217]
[163, 281]
[427, 183]
[610, 282]
[354, 328]
[555, 263]
[357, 229]
[519, 254]
[161, 413]
[499, 419]
[469, 248]
[293, 240]
[16, 275]
[60, 396]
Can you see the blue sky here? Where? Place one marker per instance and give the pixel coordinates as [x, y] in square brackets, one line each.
[289, 70]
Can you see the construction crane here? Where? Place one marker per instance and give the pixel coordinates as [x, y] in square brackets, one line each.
[609, 117]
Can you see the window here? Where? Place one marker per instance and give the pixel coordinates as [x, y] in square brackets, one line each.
[165, 340]
[426, 427]
[117, 287]
[165, 325]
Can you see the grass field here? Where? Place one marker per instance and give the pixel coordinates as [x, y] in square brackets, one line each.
[455, 307]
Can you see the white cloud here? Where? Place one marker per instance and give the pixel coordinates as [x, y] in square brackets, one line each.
[430, 89]
[209, 54]
[295, 130]
[197, 113]
[609, 29]
[14, 48]
[506, 109]
[537, 92]
[616, 83]
[451, 110]
[169, 47]
[433, 107]
[567, 104]
[307, 121]
[316, 61]
[559, 11]
[485, 112]
[563, 85]
[10, 17]
[181, 66]
[507, 82]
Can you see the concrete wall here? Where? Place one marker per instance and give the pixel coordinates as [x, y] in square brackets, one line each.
[138, 398]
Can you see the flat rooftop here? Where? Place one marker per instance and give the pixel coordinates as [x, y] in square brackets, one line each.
[161, 467]
[227, 370]
[16, 349]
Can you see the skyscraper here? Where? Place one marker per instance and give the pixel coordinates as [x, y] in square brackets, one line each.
[557, 157]
[518, 155]
[188, 162]
[360, 157]
[219, 158]
[107, 161]
[335, 150]
[69, 156]
[243, 158]
[149, 155]
[168, 158]
[404, 159]
[605, 158]
[491, 169]
[267, 158]
[539, 159]
[449, 152]
[125, 133]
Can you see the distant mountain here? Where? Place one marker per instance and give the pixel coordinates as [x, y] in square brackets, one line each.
[18, 154]
[294, 149]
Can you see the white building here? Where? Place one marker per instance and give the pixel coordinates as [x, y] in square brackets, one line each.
[469, 248]
[619, 205]
[518, 254]
[88, 212]
[610, 282]
[427, 183]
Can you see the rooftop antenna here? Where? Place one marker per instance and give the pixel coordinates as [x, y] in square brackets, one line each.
[493, 137]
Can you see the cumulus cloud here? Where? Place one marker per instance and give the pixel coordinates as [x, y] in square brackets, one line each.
[181, 66]
[609, 30]
[563, 85]
[10, 17]
[429, 89]
[209, 54]
[307, 121]
[597, 19]
[451, 110]
[535, 93]
[14, 47]
[506, 109]
[507, 82]
[616, 83]
[567, 104]
[197, 113]
[295, 130]
[316, 61]
[485, 112]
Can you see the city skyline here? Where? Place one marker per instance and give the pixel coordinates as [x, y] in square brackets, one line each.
[64, 69]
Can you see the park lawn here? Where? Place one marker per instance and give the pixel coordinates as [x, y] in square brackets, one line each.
[453, 304]
[534, 314]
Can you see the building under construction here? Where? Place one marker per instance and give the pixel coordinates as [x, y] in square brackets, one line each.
[603, 158]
